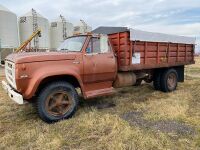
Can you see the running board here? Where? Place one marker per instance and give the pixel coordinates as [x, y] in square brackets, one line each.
[100, 92]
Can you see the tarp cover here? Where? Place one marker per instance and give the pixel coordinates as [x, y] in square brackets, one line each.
[138, 35]
[109, 30]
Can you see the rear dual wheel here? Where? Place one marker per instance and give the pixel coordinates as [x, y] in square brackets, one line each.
[157, 80]
[138, 82]
[169, 80]
[166, 81]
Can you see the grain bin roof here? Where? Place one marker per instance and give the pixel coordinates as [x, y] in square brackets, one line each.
[29, 14]
[58, 19]
[2, 8]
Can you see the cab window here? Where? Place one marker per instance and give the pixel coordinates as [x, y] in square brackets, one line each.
[94, 46]
[98, 45]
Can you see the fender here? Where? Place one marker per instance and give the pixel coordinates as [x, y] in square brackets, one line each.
[50, 70]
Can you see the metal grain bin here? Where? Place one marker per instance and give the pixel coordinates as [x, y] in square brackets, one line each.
[26, 29]
[9, 38]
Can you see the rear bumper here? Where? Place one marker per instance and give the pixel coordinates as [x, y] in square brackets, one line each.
[18, 98]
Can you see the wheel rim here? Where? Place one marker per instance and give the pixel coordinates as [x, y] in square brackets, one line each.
[171, 81]
[58, 103]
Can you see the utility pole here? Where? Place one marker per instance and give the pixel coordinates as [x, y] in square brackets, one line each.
[64, 22]
[35, 28]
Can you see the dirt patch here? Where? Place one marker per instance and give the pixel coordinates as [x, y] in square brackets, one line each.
[171, 126]
[166, 126]
[98, 104]
[105, 105]
[136, 119]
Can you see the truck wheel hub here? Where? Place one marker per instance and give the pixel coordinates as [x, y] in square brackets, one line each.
[171, 81]
[58, 103]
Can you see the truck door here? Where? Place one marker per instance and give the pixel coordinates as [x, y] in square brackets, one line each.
[99, 61]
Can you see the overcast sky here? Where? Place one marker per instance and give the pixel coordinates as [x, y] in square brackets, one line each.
[181, 17]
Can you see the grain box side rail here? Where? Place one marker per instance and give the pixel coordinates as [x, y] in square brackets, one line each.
[138, 55]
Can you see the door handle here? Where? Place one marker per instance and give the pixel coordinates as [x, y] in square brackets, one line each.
[76, 62]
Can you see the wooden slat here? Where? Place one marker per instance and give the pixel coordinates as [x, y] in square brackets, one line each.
[131, 52]
[126, 49]
[118, 49]
[168, 53]
[185, 52]
[145, 52]
[177, 53]
[193, 52]
[158, 55]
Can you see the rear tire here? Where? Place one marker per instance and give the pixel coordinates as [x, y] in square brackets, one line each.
[169, 80]
[148, 80]
[57, 101]
[156, 80]
[138, 82]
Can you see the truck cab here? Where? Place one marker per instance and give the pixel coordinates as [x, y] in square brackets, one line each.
[82, 61]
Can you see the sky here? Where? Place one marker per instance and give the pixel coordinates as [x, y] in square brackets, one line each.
[180, 17]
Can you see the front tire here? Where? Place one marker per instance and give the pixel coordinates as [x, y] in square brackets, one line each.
[57, 101]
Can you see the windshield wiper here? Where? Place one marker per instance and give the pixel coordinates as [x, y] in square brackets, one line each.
[64, 49]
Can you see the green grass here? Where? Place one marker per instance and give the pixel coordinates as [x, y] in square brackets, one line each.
[92, 128]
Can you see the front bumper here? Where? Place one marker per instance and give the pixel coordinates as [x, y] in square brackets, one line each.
[18, 98]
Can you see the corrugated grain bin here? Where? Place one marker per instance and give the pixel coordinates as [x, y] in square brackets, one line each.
[57, 30]
[82, 28]
[9, 38]
[26, 29]
[137, 50]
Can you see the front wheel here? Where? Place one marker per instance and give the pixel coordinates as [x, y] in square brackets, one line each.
[57, 101]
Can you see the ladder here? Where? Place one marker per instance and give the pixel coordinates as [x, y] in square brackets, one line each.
[64, 22]
[85, 26]
[35, 28]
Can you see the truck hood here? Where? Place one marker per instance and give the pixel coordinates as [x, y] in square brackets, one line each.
[39, 57]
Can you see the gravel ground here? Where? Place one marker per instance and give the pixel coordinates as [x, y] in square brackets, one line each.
[166, 126]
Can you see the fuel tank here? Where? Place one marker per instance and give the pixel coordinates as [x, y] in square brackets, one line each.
[124, 79]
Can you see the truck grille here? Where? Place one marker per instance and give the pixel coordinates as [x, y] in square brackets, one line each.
[10, 73]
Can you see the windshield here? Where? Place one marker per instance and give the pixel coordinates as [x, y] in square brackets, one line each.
[73, 44]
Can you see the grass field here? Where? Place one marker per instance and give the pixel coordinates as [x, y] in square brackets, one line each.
[133, 118]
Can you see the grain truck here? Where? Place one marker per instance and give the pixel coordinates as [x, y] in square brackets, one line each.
[97, 63]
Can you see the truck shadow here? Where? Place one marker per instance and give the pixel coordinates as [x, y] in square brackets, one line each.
[137, 94]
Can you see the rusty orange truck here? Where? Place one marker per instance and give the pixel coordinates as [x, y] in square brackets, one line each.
[97, 63]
